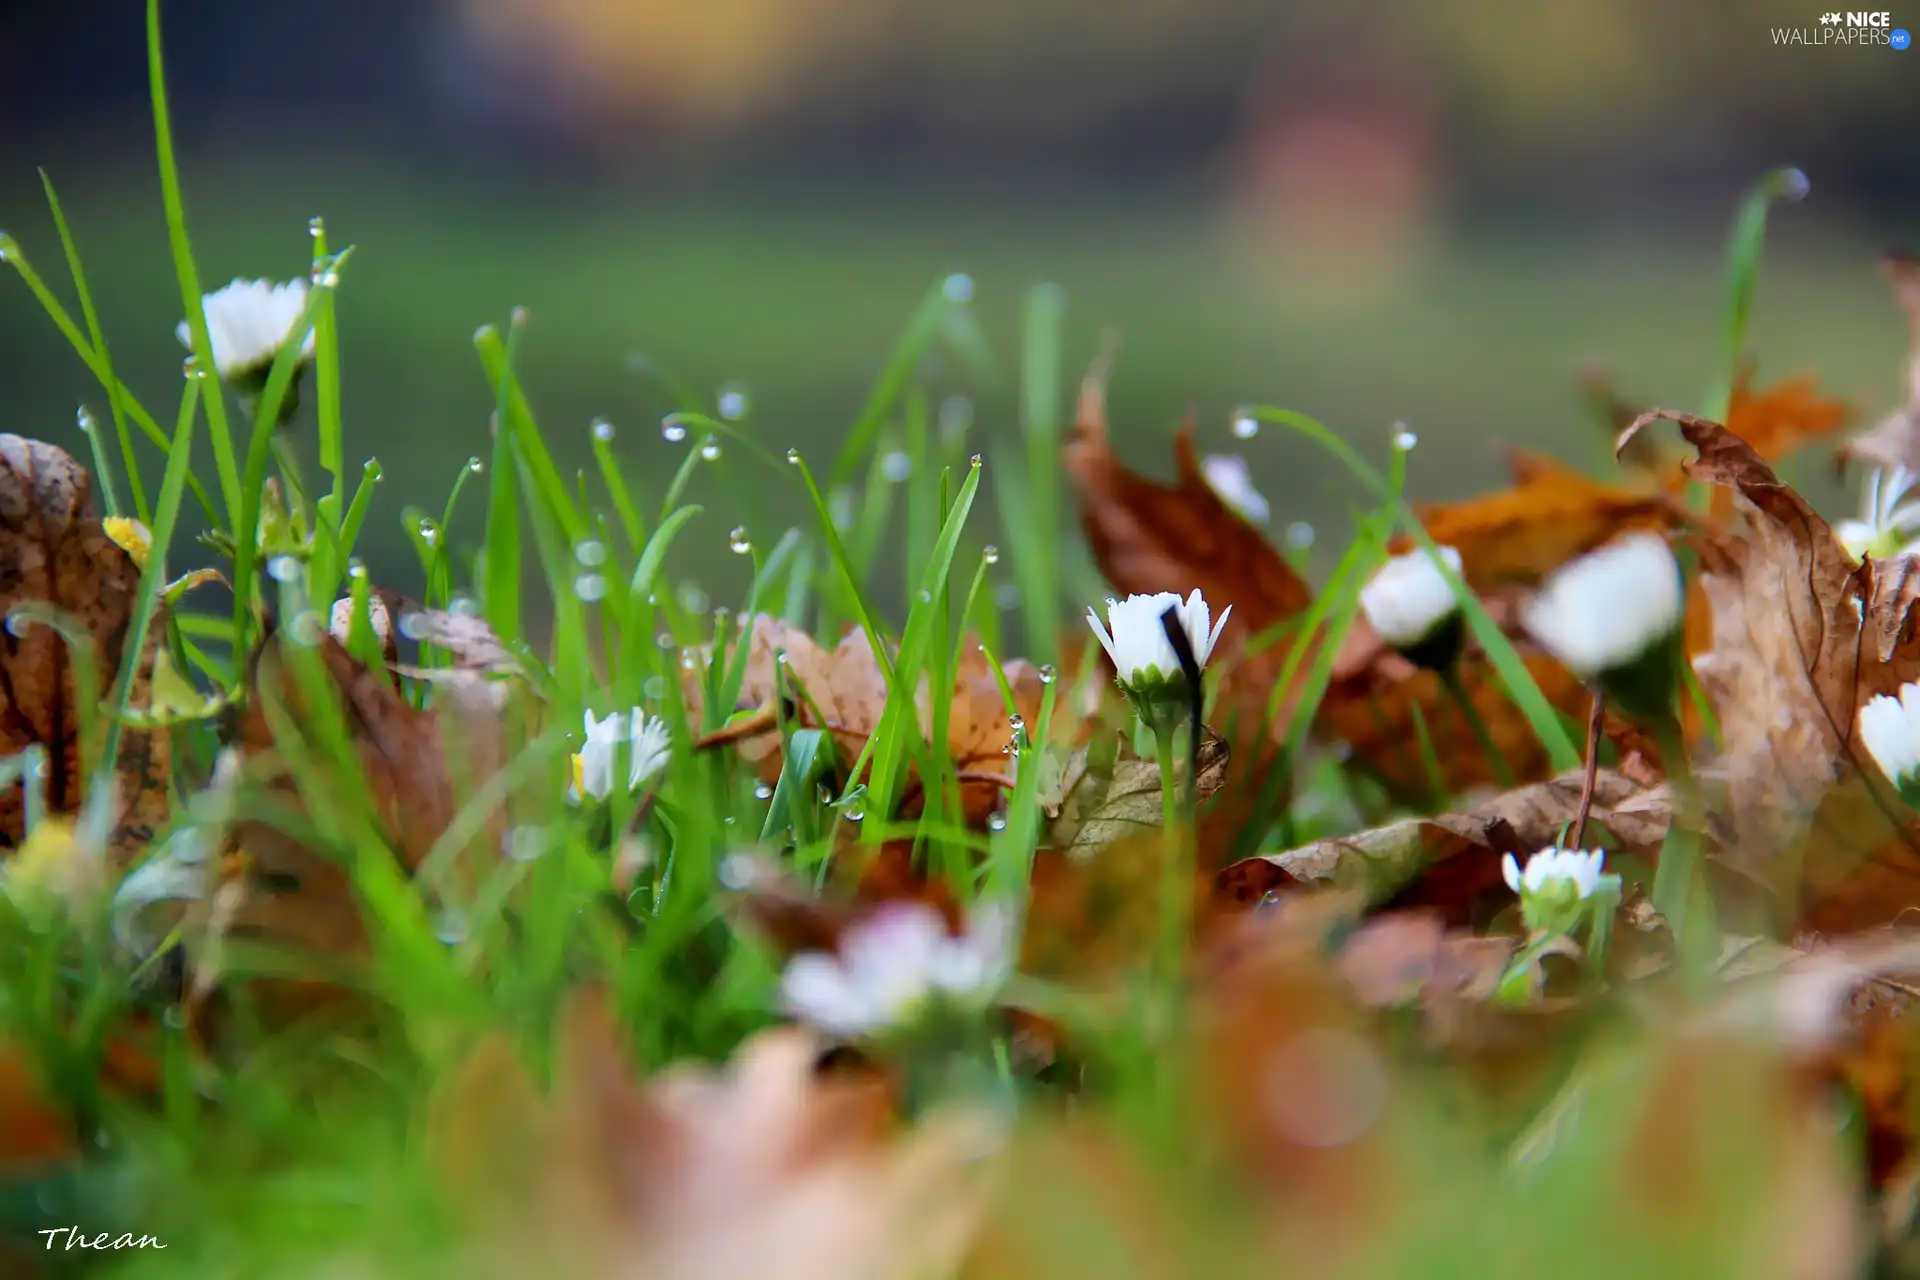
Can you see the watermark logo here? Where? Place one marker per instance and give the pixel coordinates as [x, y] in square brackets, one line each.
[68, 1239]
[1863, 29]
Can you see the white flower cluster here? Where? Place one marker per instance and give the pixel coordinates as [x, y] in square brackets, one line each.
[891, 964]
[1408, 599]
[650, 744]
[247, 322]
[1608, 608]
[1137, 642]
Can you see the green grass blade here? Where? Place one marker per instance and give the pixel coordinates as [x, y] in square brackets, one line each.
[1038, 490]
[1743, 273]
[502, 540]
[921, 330]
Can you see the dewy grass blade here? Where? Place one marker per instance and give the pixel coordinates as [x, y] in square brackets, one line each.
[503, 495]
[165, 516]
[116, 398]
[849, 578]
[246, 527]
[1540, 715]
[326, 381]
[516, 419]
[10, 253]
[1743, 273]
[921, 330]
[189, 275]
[632, 523]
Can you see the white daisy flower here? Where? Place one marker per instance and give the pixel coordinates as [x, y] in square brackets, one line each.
[1577, 870]
[1409, 598]
[1890, 731]
[1138, 643]
[649, 743]
[891, 964]
[1227, 475]
[246, 323]
[1610, 607]
[1887, 526]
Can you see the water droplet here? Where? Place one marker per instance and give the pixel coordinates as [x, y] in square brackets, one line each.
[1403, 437]
[734, 402]
[958, 288]
[692, 598]
[356, 568]
[996, 821]
[370, 470]
[793, 457]
[450, 926]
[710, 450]
[524, 843]
[896, 466]
[991, 554]
[412, 625]
[330, 280]
[655, 687]
[590, 587]
[463, 607]
[305, 628]
[1300, 534]
[1017, 722]
[1794, 185]
[590, 552]
[316, 227]
[761, 791]
[1006, 596]
[976, 461]
[664, 640]
[738, 542]
[83, 418]
[475, 466]
[1047, 673]
[429, 531]
[956, 415]
[671, 431]
[517, 317]
[1246, 426]
[735, 871]
[926, 596]
[855, 811]
[686, 660]
[284, 569]
[602, 430]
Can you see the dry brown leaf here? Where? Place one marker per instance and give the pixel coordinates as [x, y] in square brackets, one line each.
[54, 553]
[1132, 803]
[1801, 637]
[1785, 417]
[768, 1167]
[845, 693]
[1451, 861]
[1895, 441]
[416, 766]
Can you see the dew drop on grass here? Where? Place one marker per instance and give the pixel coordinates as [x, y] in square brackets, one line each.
[977, 460]
[926, 596]
[664, 640]
[356, 568]
[996, 821]
[761, 791]
[590, 587]
[710, 450]
[991, 555]
[855, 811]
[450, 926]
[412, 625]
[602, 430]
[1794, 186]
[524, 843]
[735, 872]
[693, 599]
[686, 659]
[672, 432]
[655, 687]
[1246, 426]
[896, 466]
[284, 569]
[1403, 437]
[429, 531]
[371, 471]
[1017, 722]
[793, 457]
[475, 466]
[590, 552]
[734, 401]
[1047, 673]
[738, 542]
[463, 607]
[958, 288]
[83, 418]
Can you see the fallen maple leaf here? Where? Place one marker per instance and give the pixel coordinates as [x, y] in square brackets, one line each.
[55, 554]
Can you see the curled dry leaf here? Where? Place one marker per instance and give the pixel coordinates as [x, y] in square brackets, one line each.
[767, 1167]
[1451, 861]
[1131, 803]
[1895, 441]
[54, 554]
[1802, 636]
[843, 691]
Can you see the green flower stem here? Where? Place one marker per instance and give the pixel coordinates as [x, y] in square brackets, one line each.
[1677, 893]
[1174, 897]
[1450, 680]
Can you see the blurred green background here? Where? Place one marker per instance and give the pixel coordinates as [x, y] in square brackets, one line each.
[1437, 216]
